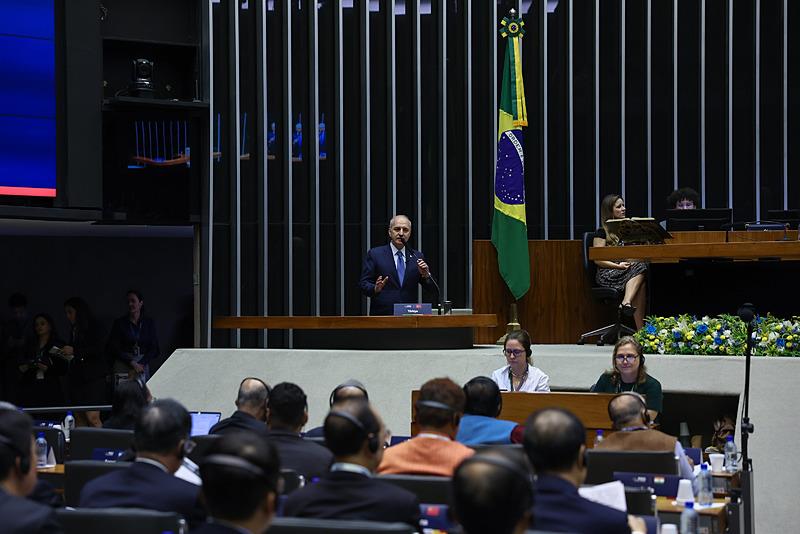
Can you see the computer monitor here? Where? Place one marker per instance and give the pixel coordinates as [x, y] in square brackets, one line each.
[203, 421]
[701, 219]
[601, 464]
[790, 217]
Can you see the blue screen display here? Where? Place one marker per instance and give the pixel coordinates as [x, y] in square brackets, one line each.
[27, 98]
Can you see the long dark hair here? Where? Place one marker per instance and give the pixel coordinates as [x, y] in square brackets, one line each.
[129, 400]
[53, 333]
[83, 315]
[606, 213]
[525, 340]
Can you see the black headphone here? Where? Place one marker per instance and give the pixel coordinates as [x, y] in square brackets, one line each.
[439, 406]
[372, 437]
[645, 414]
[24, 459]
[236, 462]
[346, 385]
[508, 465]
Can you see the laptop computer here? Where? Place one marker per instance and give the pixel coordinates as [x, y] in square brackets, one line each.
[203, 421]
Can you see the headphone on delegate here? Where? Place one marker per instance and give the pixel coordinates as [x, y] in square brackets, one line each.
[236, 462]
[644, 413]
[346, 385]
[508, 465]
[488, 382]
[371, 437]
[24, 459]
[439, 406]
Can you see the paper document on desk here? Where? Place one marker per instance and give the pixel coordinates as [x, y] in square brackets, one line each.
[609, 494]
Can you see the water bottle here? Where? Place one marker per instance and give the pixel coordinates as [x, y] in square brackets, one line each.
[689, 519]
[323, 153]
[598, 439]
[705, 490]
[297, 138]
[731, 456]
[41, 450]
[69, 424]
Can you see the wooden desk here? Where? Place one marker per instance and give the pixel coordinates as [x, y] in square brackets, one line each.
[57, 469]
[754, 250]
[377, 332]
[591, 409]
[710, 520]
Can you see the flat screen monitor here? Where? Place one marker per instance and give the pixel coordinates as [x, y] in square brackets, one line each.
[203, 421]
[28, 98]
[702, 219]
[790, 217]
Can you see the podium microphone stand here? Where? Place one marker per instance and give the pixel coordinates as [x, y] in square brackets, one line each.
[747, 314]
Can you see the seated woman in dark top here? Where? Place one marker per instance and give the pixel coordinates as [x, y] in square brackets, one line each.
[42, 366]
[89, 367]
[627, 276]
[129, 400]
[628, 373]
[133, 342]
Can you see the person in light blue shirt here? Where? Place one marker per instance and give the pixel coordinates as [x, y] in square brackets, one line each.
[480, 423]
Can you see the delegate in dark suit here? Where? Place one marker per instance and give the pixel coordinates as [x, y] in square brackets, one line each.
[240, 421]
[559, 508]
[306, 457]
[346, 495]
[380, 261]
[144, 485]
[22, 516]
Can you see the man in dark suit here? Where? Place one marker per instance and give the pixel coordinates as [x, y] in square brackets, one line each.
[251, 410]
[555, 444]
[18, 478]
[391, 272]
[240, 476]
[355, 434]
[288, 413]
[161, 439]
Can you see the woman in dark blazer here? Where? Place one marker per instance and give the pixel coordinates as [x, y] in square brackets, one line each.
[42, 366]
[89, 367]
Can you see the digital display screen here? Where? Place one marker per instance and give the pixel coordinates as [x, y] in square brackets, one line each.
[27, 98]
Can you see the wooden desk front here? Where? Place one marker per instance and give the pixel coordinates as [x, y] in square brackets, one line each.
[590, 408]
[710, 520]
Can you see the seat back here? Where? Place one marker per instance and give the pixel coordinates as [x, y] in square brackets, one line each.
[55, 441]
[119, 521]
[640, 500]
[85, 441]
[695, 453]
[297, 525]
[589, 267]
[78, 473]
[436, 517]
[202, 444]
[601, 464]
[662, 485]
[428, 489]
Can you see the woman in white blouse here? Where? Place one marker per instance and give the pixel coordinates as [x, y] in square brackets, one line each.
[519, 374]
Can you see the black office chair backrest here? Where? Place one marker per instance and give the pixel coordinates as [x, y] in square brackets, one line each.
[600, 464]
[428, 489]
[120, 521]
[640, 501]
[84, 441]
[202, 444]
[589, 267]
[55, 440]
[79, 472]
[296, 525]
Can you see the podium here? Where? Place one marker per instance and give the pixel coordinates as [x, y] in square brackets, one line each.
[406, 332]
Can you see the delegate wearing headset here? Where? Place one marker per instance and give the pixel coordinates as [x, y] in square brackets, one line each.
[629, 373]
[18, 478]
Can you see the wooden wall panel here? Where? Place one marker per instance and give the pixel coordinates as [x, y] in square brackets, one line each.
[559, 306]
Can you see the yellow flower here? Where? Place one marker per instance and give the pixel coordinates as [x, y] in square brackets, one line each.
[764, 338]
[789, 337]
[719, 326]
[788, 344]
[689, 335]
[722, 336]
[651, 336]
[708, 338]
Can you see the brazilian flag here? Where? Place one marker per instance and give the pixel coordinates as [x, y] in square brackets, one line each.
[509, 226]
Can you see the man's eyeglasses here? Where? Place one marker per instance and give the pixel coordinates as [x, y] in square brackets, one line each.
[516, 352]
[626, 357]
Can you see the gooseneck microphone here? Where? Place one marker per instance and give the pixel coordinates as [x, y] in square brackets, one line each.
[410, 255]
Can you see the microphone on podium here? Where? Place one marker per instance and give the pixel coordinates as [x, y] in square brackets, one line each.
[410, 255]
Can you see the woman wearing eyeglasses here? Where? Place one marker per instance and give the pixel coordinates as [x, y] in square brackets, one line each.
[519, 374]
[629, 373]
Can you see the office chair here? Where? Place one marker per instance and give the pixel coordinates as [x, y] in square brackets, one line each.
[606, 295]
[119, 521]
[85, 441]
[428, 489]
[78, 473]
[291, 525]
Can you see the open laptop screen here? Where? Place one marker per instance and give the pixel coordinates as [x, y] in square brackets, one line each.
[203, 421]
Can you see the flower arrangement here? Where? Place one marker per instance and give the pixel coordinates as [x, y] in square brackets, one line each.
[720, 335]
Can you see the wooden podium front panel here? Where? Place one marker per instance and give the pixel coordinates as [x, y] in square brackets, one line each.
[558, 308]
[590, 408]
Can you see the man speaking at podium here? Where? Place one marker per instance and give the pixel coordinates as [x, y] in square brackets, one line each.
[391, 272]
